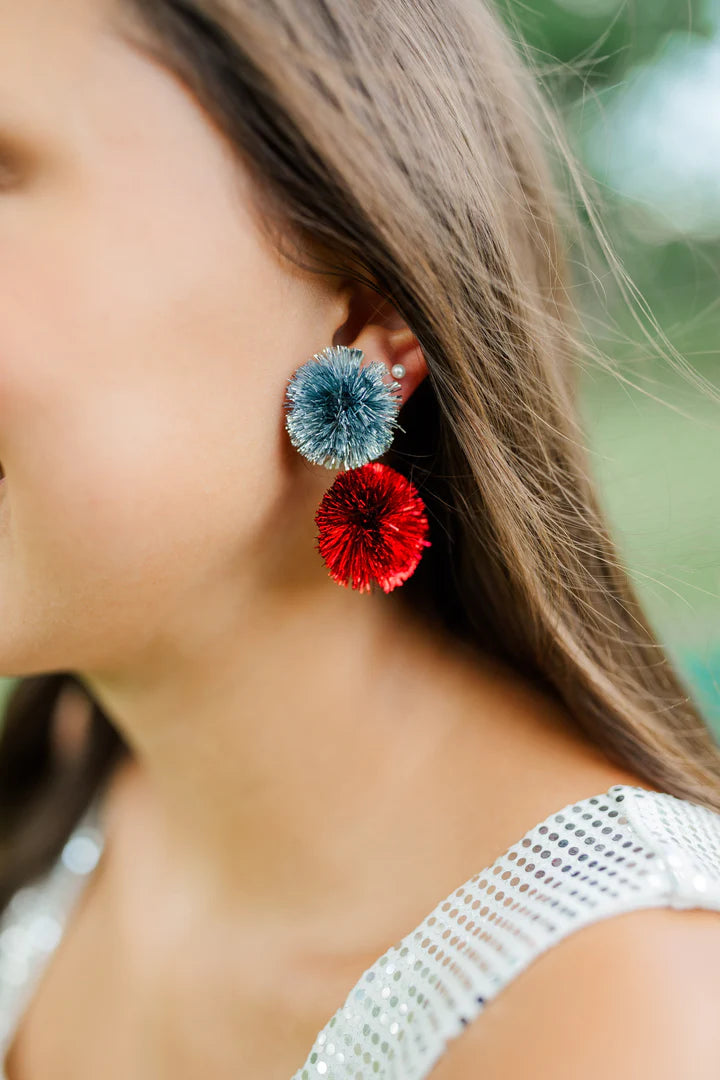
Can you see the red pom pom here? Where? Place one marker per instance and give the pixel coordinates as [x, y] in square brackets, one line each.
[372, 526]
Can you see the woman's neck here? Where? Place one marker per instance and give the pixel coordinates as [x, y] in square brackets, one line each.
[288, 771]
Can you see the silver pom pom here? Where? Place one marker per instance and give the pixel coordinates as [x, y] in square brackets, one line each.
[340, 412]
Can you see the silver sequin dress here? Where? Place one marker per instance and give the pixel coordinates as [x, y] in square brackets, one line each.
[619, 851]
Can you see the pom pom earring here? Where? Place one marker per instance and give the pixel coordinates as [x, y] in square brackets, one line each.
[372, 527]
[372, 522]
[341, 413]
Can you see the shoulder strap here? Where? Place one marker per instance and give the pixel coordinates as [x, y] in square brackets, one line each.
[620, 851]
[686, 837]
[32, 923]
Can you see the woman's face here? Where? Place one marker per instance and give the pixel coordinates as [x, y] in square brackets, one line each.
[146, 336]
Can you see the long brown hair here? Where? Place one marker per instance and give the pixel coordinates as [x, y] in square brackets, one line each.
[407, 143]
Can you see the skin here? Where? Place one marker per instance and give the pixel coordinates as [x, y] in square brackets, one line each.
[312, 769]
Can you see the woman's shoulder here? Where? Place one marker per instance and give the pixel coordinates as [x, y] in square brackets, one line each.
[636, 995]
[631, 995]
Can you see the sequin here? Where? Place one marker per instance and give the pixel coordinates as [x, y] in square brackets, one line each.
[81, 853]
[625, 849]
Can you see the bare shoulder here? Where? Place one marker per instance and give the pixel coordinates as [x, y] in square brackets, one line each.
[634, 995]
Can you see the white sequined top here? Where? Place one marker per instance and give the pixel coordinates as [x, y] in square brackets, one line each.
[619, 851]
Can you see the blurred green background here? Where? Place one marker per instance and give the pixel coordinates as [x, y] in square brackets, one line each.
[638, 85]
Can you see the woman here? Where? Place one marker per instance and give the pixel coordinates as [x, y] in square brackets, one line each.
[290, 770]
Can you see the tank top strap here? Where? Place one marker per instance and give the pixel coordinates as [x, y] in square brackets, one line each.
[32, 923]
[686, 837]
[626, 849]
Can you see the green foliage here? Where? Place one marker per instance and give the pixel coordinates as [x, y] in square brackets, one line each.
[634, 81]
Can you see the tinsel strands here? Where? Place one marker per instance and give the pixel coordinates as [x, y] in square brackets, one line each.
[372, 527]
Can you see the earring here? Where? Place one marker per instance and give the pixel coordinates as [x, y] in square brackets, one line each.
[340, 413]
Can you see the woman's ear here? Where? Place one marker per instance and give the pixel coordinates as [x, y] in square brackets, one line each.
[374, 326]
[395, 347]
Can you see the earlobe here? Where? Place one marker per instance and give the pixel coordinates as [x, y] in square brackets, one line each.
[393, 348]
[379, 330]
[404, 351]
